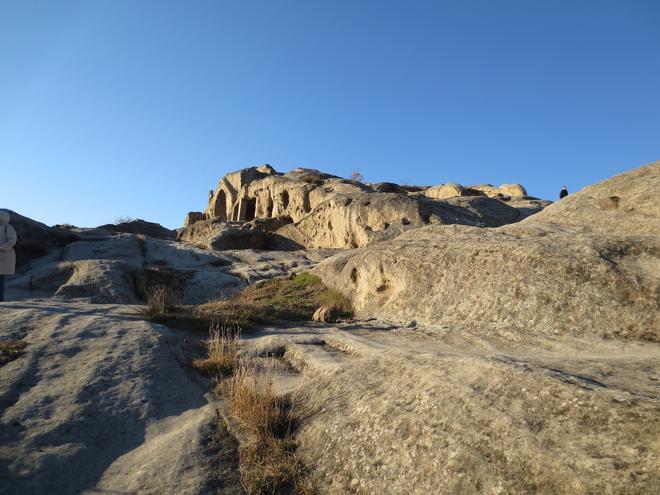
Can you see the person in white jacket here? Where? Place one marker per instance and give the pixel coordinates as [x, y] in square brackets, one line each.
[7, 255]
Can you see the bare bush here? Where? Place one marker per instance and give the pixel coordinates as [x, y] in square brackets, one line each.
[357, 176]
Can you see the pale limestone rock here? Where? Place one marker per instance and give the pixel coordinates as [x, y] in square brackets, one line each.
[319, 210]
[513, 190]
[444, 191]
[575, 268]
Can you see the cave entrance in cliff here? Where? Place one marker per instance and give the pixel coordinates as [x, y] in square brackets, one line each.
[284, 199]
[220, 208]
[250, 209]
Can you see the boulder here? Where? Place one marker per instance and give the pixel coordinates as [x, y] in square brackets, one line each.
[140, 227]
[487, 189]
[325, 314]
[574, 268]
[444, 191]
[513, 190]
[387, 187]
[220, 235]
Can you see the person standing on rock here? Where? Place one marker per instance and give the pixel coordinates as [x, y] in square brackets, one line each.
[7, 255]
[563, 193]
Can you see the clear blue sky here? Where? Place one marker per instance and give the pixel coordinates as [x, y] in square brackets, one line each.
[137, 108]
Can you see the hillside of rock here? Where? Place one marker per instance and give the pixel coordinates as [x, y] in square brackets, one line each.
[626, 204]
[576, 268]
[488, 354]
[316, 210]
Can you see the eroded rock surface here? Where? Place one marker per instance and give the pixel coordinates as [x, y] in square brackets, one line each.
[324, 211]
[120, 269]
[576, 268]
[104, 402]
[469, 409]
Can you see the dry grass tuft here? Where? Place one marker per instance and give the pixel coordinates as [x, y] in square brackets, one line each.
[222, 347]
[160, 301]
[268, 465]
[253, 401]
[10, 350]
[267, 460]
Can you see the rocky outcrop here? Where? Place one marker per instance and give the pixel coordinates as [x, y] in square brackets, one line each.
[121, 269]
[506, 190]
[36, 239]
[577, 268]
[140, 227]
[444, 191]
[351, 221]
[324, 211]
[219, 235]
[192, 217]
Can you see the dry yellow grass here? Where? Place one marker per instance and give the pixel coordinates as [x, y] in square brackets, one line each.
[160, 301]
[268, 463]
[222, 347]
[253, 401]
[278, 299]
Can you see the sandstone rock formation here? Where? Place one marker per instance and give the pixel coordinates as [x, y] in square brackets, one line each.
[318, 210]
[581, 267]
[509, 190]
[220, 235]
[444, 191]
[192, 217]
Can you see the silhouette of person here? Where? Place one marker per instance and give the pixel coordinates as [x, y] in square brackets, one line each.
[7, 254]
[563, 193]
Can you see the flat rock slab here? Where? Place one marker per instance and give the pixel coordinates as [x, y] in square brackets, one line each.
[104, 402]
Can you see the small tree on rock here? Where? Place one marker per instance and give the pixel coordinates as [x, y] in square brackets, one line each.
[357, 176]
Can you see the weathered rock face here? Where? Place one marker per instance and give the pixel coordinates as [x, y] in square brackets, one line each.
[325, 211]
[192, 217]
[141, 227]
[576, 268]
[219, 235]
[510, 190]
[351, 221]
[121, 268]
